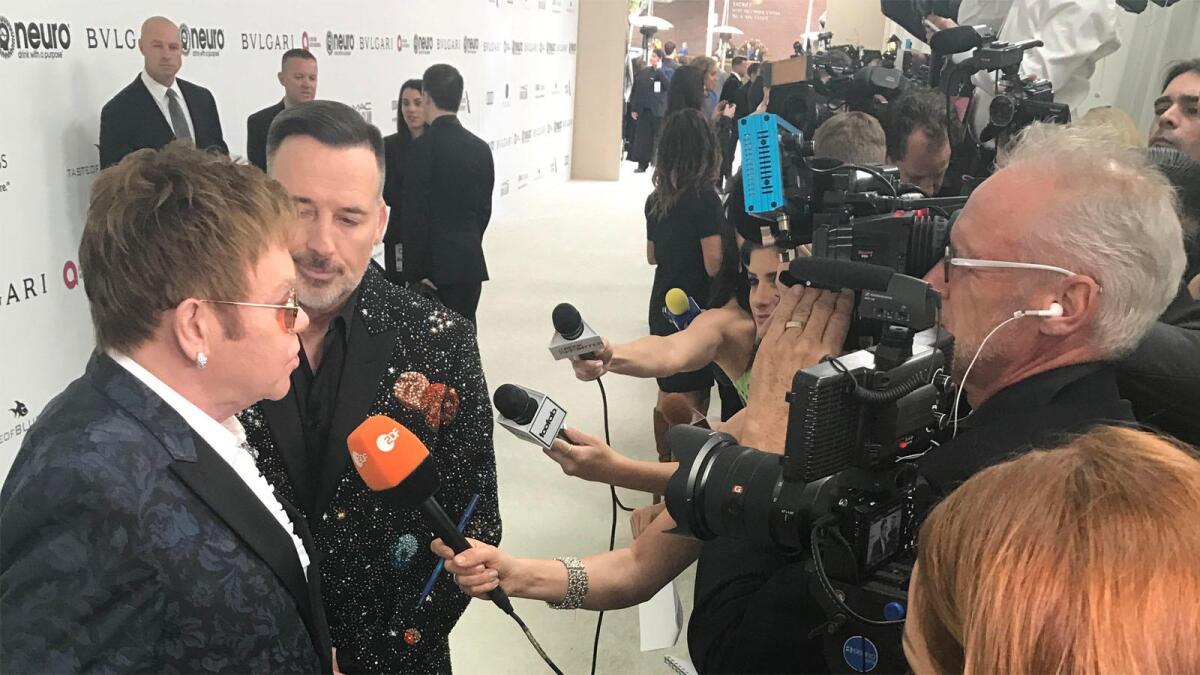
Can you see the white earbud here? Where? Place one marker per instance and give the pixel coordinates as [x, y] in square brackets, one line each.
[1054, 310]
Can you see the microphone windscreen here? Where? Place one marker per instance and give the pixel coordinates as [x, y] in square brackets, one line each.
[837, 274]
[567, 321]
[385, 452]
[1183, 172]
[955, 40]
[676, 409]
[677, 302]
[515, 403]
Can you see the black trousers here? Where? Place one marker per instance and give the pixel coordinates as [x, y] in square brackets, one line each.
[462, 298]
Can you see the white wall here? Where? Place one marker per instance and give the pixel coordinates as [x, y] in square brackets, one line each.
[517, 57]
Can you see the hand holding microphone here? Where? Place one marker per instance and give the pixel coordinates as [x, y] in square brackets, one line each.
[591, 369]
[393, 461]
[480, 569]
[585, 456]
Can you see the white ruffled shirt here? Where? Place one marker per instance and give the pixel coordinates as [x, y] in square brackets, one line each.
[227, 439]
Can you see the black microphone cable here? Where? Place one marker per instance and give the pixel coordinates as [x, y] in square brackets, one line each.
[533, 641]
[612, 533]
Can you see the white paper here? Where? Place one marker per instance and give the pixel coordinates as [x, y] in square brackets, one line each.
[661, 619]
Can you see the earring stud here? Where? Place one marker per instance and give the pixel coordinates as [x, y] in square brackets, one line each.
[201, 360]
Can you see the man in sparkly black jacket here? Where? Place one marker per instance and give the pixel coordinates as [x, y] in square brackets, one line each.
[371, 348]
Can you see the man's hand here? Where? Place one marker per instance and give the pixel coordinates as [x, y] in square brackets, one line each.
[594, 368]
[429, 283]
[938, 23]
[477, 570]
[762, 107]
[633, 115]
[808, 325]
[585, 457]
[641, 518]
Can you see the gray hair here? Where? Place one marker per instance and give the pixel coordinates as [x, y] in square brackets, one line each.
[1113, 218]
[330, 123]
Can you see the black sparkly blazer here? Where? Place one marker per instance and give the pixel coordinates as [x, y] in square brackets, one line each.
[418, 363]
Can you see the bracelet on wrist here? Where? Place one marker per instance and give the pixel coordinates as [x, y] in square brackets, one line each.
[577, 584]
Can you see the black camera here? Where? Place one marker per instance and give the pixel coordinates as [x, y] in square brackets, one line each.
[1017, 102]
[847, 212]
[841, 499]
[811, 87]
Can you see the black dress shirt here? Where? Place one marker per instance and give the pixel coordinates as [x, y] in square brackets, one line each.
[317, 392]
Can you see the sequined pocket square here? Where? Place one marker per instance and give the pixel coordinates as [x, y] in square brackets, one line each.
[439, 402]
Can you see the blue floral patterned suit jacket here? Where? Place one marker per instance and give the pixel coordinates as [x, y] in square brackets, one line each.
[127, 544]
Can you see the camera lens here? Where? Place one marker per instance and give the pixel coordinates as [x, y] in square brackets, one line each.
[725, 489]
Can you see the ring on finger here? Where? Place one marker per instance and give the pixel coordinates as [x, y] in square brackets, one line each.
[794, 324]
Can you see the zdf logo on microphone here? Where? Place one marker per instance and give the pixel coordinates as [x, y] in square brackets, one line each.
[387, 442]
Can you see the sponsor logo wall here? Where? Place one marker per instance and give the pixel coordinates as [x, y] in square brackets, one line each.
[60, 62]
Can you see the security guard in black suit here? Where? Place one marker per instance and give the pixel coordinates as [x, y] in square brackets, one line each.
[298, 75]
[157, 108]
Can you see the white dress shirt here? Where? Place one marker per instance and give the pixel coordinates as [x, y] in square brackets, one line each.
[159, 94]
[227, 439]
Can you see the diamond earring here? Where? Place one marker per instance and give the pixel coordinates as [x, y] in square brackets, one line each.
[201, 360]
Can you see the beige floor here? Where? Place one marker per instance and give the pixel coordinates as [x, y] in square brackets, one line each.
[583, 243]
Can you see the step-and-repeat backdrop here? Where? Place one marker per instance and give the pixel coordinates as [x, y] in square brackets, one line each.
[61, 61]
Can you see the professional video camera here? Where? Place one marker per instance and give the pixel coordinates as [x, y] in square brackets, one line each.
[848, 212]
[814, 83]
[841, 500]
[1015, 103]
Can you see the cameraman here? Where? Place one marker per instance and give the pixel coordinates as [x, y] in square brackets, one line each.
[919, 138]
[1177, 110]
[1069, 221]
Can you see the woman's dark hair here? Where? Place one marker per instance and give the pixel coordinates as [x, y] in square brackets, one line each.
[732, 280]
[687, 90]
[401, 126]
[688, 160]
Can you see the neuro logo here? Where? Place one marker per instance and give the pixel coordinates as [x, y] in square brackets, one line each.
[7, 43]
[19, 410]
[203, 41]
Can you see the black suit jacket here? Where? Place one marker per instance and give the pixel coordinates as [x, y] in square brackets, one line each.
[127, 544]
[729, 91]
[414, 361]
[257, 126]
[131, 120]
[446, 205]
[1162, 376]
[395, 149]
[643, 99]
